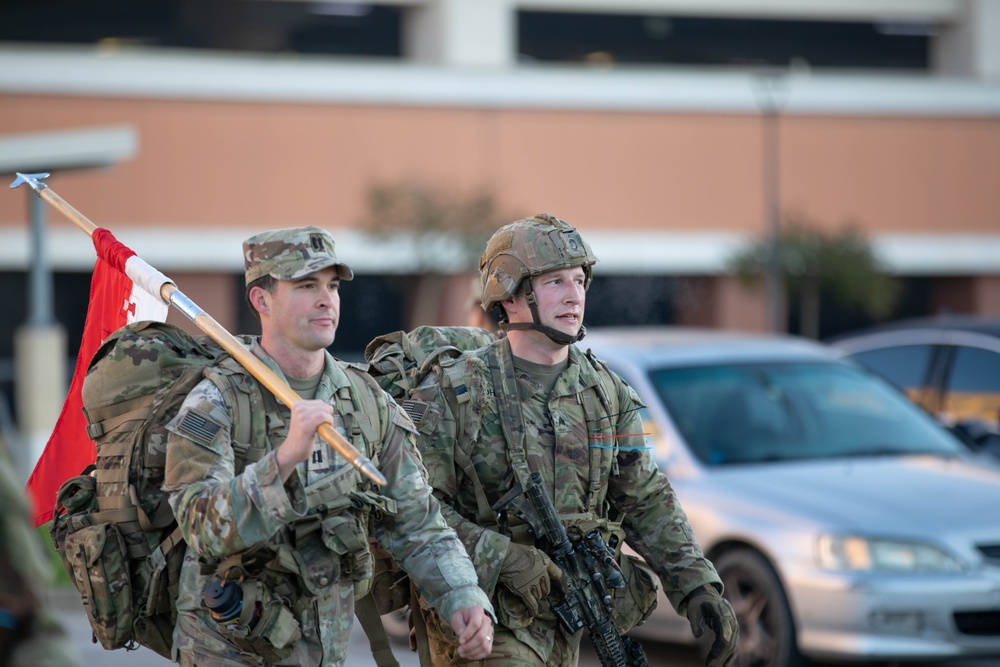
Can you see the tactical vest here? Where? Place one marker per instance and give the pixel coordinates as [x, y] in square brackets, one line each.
[328, 545]
[601, 407]
[331, 542]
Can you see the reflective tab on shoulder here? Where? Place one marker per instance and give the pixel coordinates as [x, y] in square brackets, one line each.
[199, 427]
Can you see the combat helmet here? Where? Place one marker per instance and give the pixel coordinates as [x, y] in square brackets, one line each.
[527, 248]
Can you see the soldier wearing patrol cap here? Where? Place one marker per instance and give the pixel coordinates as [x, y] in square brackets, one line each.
[277, 549]
[532, 402]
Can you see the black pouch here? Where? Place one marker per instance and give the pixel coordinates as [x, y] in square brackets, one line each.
[265, 626]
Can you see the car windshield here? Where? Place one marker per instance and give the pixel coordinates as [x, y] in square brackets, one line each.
[790, 411]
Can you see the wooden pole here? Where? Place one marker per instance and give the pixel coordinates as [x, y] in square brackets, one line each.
[171, 295]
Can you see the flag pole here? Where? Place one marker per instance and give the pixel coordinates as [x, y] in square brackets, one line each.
[159, 285]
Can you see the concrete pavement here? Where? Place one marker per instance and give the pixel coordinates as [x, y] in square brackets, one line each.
[66, 604]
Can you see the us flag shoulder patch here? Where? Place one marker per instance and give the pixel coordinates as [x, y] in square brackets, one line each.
[199, 427]
[415, 409]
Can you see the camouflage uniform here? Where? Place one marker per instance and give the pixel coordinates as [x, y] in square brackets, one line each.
[627, 480]
[30, 636]
[312, 522]
[597, 466]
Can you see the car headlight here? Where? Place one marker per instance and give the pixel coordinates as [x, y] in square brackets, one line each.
[852, 552]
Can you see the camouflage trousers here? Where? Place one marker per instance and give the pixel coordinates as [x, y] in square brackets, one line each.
[508, 650]
[326, 633]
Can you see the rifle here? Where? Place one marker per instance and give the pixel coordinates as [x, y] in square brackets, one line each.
[589, 570]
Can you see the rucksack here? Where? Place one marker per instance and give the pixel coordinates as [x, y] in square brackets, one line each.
[112, 526]
[400, 361]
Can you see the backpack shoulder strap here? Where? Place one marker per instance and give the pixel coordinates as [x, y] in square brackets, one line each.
[367, 413]
[243, 395]
[371, 622]
[601, 408]
[607, 391]
[611, 388]
[454, 370]
[501, 364]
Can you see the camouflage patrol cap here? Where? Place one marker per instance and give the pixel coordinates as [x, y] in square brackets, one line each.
[291, 254]
[528, 248]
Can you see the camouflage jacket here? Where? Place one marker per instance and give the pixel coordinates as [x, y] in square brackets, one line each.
[595, 466]
[222, 512]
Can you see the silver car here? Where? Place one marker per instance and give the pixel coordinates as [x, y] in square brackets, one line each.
[844, 522]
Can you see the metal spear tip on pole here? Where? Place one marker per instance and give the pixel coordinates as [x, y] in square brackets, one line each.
[369, 469]
[34, 181]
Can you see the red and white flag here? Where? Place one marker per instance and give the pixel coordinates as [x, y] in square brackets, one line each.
[123, 289]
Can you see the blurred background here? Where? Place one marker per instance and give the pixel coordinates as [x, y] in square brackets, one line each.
[813, 167]
[806, 166]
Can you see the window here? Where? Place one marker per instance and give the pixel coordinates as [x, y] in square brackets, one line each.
[972, 391]
[327, 28]
[792, 411]
[603, 39]
[905, 366]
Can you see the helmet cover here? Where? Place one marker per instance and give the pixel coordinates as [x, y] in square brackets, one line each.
[527, 248]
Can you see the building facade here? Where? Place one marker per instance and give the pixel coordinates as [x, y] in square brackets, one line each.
[670, 132]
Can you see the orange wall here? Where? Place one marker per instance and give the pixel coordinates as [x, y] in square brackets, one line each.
[896, 175]
[264, 165]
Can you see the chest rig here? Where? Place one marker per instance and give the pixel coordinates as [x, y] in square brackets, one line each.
[330, 543]
[600, 408]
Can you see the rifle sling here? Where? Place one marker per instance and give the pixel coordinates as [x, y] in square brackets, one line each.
[509, 405]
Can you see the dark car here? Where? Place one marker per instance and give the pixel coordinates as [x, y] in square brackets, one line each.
[948, 365]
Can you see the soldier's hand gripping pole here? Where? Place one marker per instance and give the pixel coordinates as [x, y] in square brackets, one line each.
[159, 285]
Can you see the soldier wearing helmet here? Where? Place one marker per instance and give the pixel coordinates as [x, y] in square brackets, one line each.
[523, 250]
[533, 402]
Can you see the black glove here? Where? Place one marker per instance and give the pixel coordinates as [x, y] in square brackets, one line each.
[528, 572]
[706, 608]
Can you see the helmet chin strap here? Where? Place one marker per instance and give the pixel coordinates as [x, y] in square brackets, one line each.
[556, 336]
